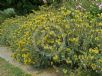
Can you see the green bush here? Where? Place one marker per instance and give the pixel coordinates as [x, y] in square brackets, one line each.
[56, 38]
[25, 6]
[92, 6]
[7, 13]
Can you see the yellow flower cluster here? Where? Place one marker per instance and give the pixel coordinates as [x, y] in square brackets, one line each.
[55, 57]
[95, 50]
[27, 59]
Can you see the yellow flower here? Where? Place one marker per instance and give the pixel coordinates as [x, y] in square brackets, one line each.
[73, 40]
[95, 50]
[68, 61]
[55, 57]
[27, 33]
[21, 42]
[100, 60]
[25, 55]
[93, 66]
[65, 71]
[25, 61]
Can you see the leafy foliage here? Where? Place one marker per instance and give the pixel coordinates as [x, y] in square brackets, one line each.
[24, 6]
[64, 38]
[6, 14]
[92, 6]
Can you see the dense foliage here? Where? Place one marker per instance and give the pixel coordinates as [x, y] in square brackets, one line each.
[67, 38]
[20, 6]
[24, 6]
[64, 38]
[9, 8]
[7, 13]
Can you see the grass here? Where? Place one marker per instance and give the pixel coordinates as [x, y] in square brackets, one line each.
[7, 69]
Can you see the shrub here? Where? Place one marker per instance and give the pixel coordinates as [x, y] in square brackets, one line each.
[25, 6]
[7, 13]
[62, 38]
[92, 6]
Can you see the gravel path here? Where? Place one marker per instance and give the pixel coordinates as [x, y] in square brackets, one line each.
[6, 53]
